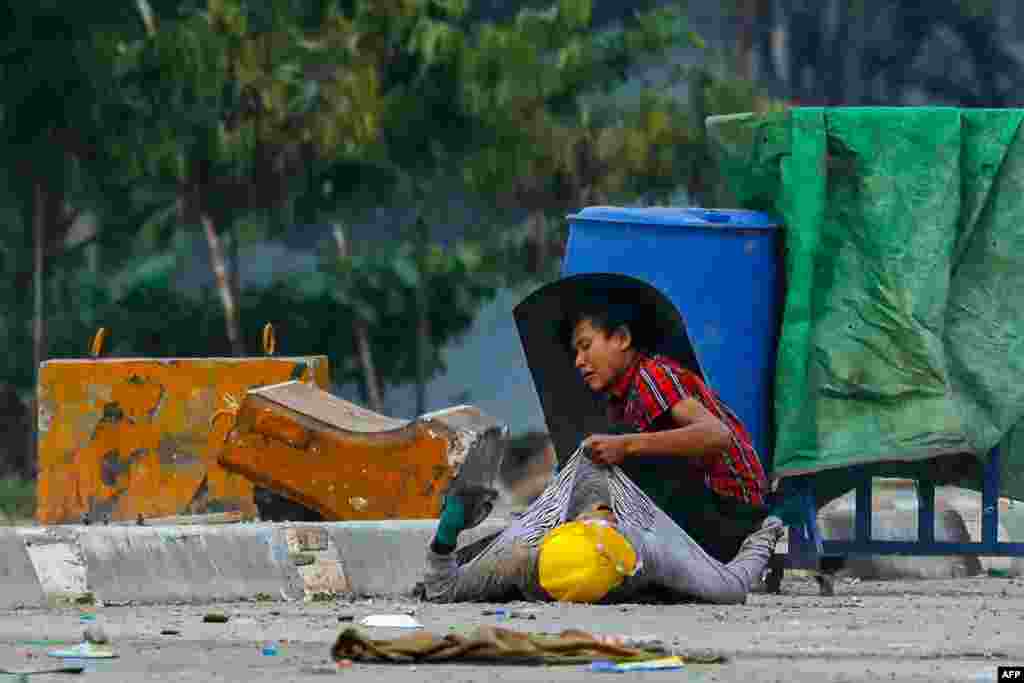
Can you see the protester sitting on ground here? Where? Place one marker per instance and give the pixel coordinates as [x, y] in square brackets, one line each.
[592, 537]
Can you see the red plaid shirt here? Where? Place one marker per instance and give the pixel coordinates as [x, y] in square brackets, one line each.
[643, 398]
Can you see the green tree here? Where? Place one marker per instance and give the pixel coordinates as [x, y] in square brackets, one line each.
[229, 102]
[56, 64]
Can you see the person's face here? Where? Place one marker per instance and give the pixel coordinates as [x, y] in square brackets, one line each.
[600, 357]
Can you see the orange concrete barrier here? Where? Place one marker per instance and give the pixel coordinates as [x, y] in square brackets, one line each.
[126, 437]
[349, 463]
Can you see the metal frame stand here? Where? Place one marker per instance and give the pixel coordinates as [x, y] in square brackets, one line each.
[807, 549]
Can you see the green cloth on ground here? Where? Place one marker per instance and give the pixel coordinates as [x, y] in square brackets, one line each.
[904, 239]
[492, 644]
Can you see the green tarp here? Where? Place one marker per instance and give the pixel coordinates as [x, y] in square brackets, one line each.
[904, 241]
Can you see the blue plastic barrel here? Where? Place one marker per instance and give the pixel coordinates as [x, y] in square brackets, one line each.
[720, 269]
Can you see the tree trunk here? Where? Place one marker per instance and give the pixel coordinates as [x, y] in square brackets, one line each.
[190, 213]
[538, 242]
[236, 266]
[766, 28]
[697, 186]
[745, 58]
[227, 297]
[374, 397]
[361, 333]
[422, 320]
[38, 275]
[422, 352]
[838, 46]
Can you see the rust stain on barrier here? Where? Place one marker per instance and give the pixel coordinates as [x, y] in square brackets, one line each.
[126, 437]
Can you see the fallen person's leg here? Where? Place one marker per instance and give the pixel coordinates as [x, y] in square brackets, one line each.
[594, 526]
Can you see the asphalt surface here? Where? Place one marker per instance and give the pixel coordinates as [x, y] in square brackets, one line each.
[921, 631]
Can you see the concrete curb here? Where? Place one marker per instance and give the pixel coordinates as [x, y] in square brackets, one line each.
[388, 558]
[19, 583]
[201, 564]
[188, 564]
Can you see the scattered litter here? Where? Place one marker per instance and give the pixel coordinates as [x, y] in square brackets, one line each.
[170, 632]
[666, 664]
[510, 614]
[96, 635]
[269, 650]
[84, 651]
[391, 621]
[303, 559]
[215, 618]
[650, 643]
[320, 670]
[85, 617]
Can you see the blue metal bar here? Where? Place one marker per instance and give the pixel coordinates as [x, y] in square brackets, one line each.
[990, 500]
[863, 507]
[926, 511]
[847, 548]
[805, 545]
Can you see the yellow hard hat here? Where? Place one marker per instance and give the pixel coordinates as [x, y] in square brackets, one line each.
[584, 561]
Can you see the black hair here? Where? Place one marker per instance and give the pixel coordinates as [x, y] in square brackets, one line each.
[605, 314]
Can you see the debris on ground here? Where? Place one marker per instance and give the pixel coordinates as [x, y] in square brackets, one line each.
[320, 670]
[303, 559]
[84, 651]
[390, 621]
[96, 635]
[666, 664]
[510, 614]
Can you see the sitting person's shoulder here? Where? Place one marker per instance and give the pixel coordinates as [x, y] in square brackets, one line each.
[669, 366]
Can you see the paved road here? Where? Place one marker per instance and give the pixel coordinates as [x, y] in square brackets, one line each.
[924, 631]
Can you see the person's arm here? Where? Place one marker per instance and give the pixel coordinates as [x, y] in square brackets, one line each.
[698, 433]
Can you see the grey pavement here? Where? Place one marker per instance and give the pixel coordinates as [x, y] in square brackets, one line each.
[942, 630]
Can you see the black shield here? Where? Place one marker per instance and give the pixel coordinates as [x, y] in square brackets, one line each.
[572, 411]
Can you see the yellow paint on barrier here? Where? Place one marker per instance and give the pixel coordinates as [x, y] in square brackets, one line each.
[126, 437]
